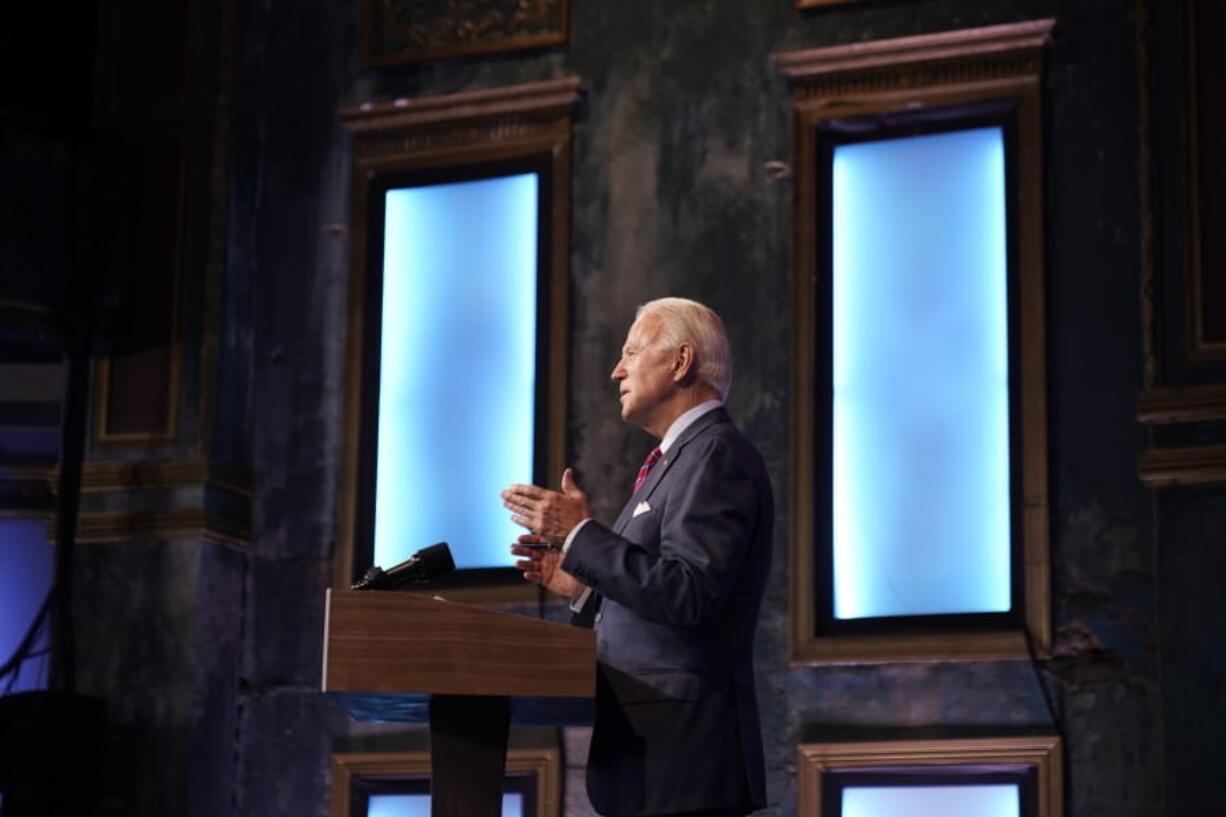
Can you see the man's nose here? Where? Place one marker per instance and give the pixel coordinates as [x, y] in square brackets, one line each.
[618, 372]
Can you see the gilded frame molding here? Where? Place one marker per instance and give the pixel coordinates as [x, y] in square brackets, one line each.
[929, 70]
[526, 120]
[1043, 754]
[543, 764]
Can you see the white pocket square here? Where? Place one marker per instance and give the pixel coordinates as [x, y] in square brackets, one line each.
[641, 509]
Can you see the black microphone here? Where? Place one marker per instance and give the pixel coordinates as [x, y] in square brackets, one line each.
[421, 568]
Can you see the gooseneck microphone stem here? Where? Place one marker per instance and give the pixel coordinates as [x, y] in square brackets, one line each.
[419, 569]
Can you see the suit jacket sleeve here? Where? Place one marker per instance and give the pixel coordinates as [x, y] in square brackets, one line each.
[678, 567]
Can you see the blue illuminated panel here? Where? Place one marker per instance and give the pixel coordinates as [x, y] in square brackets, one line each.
[457, 379]
[27, 564]
[921, 504]
[418, 805]
[1002, 800]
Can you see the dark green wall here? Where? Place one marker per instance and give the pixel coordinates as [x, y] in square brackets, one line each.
[683, 109]
[209, 656]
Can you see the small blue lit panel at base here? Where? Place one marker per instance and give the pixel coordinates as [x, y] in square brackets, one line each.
[457, 378]
[27, 566]
[996, 800]
[921, 503]
[418, 805]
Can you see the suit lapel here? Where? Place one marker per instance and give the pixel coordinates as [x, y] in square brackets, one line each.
[661, 468]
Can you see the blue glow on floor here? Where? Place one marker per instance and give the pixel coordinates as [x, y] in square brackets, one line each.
[458, 372]
[27, 566]
[418, 805]
[1003, 800]
[921, 376]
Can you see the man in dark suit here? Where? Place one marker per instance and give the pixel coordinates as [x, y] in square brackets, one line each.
[673, 587]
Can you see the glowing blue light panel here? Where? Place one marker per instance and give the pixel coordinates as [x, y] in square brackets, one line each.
[418, 805]
[996, 800]
[457, 381]
[921, 376]
[27, 565]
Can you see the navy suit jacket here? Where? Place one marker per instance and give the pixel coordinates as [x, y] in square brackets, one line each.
[681, 576]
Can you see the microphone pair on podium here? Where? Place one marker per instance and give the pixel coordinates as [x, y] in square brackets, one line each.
[422, 567]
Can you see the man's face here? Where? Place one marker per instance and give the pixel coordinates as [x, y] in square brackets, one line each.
[645, 373]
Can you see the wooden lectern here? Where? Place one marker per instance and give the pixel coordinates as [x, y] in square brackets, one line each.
[394, 656]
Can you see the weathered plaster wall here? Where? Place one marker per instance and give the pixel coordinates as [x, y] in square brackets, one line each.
[683, 109]
[1192, 617]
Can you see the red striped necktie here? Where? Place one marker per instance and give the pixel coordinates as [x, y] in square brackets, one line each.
[646, 468]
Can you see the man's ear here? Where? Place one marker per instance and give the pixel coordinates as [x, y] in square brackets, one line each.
[683, 363]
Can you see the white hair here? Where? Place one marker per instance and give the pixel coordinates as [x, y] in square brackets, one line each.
[686, 321]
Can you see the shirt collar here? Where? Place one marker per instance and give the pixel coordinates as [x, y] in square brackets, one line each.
[685, 421]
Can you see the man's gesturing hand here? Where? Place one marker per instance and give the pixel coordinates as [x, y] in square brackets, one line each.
[540, 564]
[547, 513]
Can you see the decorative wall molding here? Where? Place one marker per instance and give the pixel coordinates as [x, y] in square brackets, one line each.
[1170, 467]
[543, 765]
[166, 113]
[1185, 465]
[174, 498]
[162, 367]
[29, 472]
[992, 47]
[1197, 80]
[547, 96]
[884, 81]
[809, 4]
[137, 384]
[25, 489]
[1175, 348]
[401, 31]
[99, 476]
[1194, 404]
[177, 523]
[471, 121]
[211, 314]
[1040, 753]
[527, 122]
[1183, 313]
[532, 102]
